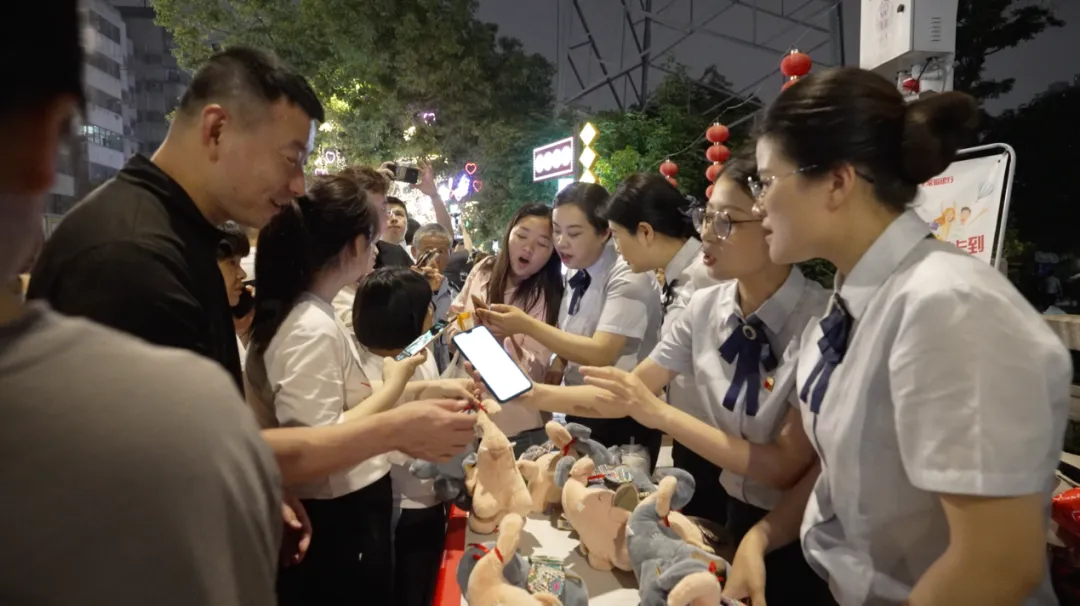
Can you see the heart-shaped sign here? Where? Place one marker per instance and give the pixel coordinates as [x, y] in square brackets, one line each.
[470, 168]
[477, 185]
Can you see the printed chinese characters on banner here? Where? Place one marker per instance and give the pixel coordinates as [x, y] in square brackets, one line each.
[963, 204]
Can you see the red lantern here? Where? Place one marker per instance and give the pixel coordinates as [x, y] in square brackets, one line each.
[796, 64]
[717, 133]
[672, 181]
[669, 168]
[713, 171]
[708, 192]
[911, 86]
[717, 153]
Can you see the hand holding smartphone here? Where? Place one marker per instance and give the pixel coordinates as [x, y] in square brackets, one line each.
[424, 340]
[502, 376]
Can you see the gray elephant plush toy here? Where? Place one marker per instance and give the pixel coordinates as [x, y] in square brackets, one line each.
[449, 477]
[670, 571]
[615, 465]
[535, 575]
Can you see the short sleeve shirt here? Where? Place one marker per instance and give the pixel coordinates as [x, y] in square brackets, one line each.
[313, 376]
[951, 383]
[617, 301]
[692, 346]
[684, 275]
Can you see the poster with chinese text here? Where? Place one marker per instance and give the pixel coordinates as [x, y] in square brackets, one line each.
[963, 204]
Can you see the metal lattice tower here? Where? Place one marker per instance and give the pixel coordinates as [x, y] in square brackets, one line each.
[597, 68]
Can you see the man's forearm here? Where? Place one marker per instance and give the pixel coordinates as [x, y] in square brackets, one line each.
[442, 216]
[306, 454]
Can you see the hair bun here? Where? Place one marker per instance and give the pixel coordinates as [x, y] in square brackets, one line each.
[935, 127]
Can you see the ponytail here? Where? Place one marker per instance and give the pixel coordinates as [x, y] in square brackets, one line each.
[284, 267]
[302, 239]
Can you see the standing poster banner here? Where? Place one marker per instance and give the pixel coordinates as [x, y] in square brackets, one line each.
[968, 204]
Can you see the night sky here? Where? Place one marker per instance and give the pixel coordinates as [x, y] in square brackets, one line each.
[534, 22]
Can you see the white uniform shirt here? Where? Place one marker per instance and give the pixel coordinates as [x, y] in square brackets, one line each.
[343, 306]
[410, 492]
[617, 301]
[685, 274]
[692, 347]
[313, 371]
[951, 383]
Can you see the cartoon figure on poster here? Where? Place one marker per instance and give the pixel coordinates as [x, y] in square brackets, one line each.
[962, 205]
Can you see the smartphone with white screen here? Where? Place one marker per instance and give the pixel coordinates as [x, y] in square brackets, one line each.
[424, 340]
[504, 379]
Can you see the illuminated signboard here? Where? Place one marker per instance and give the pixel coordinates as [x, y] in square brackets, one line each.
[554, 160]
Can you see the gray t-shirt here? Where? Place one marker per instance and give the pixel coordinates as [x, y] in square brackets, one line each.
[129, 474]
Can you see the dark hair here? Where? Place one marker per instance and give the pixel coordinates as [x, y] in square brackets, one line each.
[590, 198]
[57, 72]
[850, 115]
[741, 168]
[546, 283]
[390, 308]
[241, 72]
[300, 240]
[234, 242]
[392, 201]
[649, 198]
[411, 230]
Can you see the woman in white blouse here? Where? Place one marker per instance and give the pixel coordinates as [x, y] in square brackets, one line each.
[303, 367]
[609, 315]
[651, 223]
[935, 396]
[730, 342]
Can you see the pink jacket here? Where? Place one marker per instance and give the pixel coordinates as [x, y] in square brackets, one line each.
[537, 356]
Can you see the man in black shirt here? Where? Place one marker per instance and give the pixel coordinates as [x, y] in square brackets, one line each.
[139, 253]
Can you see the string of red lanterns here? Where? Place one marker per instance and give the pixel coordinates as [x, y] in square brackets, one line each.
[717, 153]
[795, 65]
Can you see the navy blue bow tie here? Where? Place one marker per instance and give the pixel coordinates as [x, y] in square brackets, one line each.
[669, 294]
[579, 282]
[836, 329]
[752, 350]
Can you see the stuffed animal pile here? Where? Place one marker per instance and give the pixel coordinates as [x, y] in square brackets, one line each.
[625, 518]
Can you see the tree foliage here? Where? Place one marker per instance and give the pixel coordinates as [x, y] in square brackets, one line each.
[986, 27]
[381, 65]
[672, 125]
[1045, 191]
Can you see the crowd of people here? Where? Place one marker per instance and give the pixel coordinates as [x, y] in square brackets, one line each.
[182, 427]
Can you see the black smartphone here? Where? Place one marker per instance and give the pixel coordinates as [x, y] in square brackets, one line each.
[406, 174]
[424, 340]
[426, 257]
[504, 379]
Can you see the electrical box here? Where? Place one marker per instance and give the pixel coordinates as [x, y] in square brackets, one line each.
[899, 35]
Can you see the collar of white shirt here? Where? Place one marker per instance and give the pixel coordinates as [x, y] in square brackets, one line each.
[601, 267]
[879, 261]
[682, 259]
[776, 310]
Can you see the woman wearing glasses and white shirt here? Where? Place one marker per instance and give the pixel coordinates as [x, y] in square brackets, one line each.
[730, 342]
[935, 396]
[609, 315]
[650, 222]
[303, 370]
